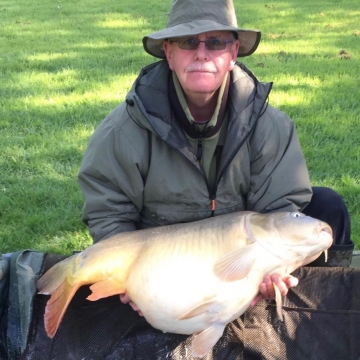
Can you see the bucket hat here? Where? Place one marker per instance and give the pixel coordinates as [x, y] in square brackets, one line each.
[193, 17]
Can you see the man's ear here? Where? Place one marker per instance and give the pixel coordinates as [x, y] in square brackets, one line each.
[168, 53]
[234, 52]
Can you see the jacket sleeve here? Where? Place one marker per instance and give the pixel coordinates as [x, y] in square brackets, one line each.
[111, 180]
[279, 179]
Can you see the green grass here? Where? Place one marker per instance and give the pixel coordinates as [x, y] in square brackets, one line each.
[65, 65]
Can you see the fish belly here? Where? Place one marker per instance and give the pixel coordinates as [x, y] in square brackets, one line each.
[167, 288]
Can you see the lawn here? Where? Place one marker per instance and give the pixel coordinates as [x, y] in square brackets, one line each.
[65, 65]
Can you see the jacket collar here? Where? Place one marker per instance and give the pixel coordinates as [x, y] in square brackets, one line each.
[180, 115]
[246, 103]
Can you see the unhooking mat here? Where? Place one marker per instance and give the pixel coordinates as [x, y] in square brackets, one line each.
[321, 322]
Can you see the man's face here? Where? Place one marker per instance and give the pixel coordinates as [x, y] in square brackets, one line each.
[201, 71]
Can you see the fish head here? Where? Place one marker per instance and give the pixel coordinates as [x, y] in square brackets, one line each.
[292, 236]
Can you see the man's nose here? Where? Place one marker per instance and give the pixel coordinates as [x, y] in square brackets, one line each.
[201, 53]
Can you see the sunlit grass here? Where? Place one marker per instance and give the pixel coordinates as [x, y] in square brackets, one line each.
[65, 66]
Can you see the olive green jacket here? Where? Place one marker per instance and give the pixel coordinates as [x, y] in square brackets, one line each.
[140, 171]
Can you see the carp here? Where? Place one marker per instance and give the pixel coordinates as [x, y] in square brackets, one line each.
[189, 278]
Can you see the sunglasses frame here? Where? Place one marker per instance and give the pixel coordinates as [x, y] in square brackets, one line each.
[209, 45]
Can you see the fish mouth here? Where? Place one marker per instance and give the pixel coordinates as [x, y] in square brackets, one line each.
[326, 233]
[327, 229]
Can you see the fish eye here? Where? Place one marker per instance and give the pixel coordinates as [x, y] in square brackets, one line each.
[296, 214]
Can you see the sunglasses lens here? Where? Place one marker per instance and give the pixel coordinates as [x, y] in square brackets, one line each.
[215, 44]
[188, 44]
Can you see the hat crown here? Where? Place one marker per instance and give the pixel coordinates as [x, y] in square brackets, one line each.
[185, 11]
[193, 17]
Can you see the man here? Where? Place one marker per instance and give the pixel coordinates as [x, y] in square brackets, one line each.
[196, 138]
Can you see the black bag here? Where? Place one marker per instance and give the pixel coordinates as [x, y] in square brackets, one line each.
[321, 321]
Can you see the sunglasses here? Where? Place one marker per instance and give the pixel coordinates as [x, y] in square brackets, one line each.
[210, 44]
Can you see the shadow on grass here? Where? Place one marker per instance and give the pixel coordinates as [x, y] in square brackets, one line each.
[41, 213]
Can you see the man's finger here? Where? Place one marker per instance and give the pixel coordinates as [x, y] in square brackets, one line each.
[291, 281]
[256, 299]
[266, 288]
[136, 308]
[124, 298]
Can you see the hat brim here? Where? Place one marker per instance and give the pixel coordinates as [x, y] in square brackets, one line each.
[249, 39]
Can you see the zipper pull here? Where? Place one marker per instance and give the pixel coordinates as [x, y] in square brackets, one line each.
[213, 205]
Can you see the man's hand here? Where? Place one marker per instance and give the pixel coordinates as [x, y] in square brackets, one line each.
[267, 291]
[124, 298]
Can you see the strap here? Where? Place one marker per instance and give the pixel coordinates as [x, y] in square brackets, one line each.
[24, 269]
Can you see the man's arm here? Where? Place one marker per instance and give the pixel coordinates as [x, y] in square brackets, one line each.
[111, 180]
[279, 176]
[279, 180]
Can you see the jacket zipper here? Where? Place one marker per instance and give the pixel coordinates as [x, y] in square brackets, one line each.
[199, 155]
[213, 195]
[199, 150]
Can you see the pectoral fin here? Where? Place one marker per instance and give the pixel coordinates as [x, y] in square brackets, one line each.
[206, 340]
[236, 264]
[104, 289]
[200, 309]
[278, 300]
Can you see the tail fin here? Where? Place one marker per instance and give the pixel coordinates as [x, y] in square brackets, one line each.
[55, 283]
